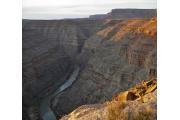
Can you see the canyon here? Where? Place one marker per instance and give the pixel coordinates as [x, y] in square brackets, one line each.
[113, 54]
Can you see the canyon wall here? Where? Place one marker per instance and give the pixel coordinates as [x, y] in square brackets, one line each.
[49, 54]
[118, 56]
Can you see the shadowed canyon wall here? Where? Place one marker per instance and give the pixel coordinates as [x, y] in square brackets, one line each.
[49, 54]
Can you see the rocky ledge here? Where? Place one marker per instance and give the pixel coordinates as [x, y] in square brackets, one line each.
[137, 103]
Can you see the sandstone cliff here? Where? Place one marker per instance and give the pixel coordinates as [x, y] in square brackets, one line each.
[137, 103]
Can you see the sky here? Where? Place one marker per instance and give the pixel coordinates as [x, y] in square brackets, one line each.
[59, 9]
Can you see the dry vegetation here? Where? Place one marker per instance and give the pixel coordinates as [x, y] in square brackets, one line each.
[123, 108]
[116, 111]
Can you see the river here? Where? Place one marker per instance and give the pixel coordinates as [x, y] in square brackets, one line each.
[46, 112]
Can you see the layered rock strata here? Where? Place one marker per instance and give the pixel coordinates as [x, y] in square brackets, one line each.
[118, 56]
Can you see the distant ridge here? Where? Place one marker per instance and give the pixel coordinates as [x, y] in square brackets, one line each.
[114, 14]
[126, 14]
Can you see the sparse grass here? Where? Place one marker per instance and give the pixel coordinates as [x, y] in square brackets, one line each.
[114, 110]
[115, 113]
[148, 114]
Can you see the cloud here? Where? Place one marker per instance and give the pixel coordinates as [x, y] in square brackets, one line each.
[80, 8]
[66, 3]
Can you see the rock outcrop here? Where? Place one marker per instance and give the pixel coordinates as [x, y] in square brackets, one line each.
[137, 103]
